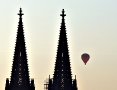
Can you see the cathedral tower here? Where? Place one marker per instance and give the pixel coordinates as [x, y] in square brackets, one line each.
[20, 79]
[62, 77]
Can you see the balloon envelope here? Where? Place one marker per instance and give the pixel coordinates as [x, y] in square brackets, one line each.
[85, 57]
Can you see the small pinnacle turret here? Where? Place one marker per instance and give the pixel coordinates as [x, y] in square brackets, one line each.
[62, 77]
[20, 79]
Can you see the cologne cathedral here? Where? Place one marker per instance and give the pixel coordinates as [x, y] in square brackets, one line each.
[62, 77]
[19, 79]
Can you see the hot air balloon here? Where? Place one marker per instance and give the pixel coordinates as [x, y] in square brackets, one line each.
[85, 57]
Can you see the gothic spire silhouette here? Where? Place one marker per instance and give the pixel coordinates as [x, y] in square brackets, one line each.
[20, 79]
[62, 77]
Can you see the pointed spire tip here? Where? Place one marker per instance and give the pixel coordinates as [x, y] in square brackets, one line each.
[20, 12]
[63, 14]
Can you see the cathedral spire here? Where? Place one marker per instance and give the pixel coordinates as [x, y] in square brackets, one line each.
[62, 74]
[20, 79]
[62, 77]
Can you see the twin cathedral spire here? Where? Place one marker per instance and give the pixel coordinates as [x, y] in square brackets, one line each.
[20, 79]
[62, 77]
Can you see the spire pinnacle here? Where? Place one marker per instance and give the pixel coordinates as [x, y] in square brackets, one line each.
[63, 14]
[20, 13]
[75, 76]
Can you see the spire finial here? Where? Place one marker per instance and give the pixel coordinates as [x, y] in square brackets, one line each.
[20, 13]
[49, 76]
[63, 14]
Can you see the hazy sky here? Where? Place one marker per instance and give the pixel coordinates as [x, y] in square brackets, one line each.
[91, 28]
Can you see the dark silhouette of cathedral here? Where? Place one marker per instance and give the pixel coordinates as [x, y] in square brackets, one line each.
[20, 75]
[62, 77]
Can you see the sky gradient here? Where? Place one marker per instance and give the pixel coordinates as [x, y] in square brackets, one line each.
[91, 28]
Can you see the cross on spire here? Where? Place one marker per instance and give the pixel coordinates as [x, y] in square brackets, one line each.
[20, 13]
[63, 14]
